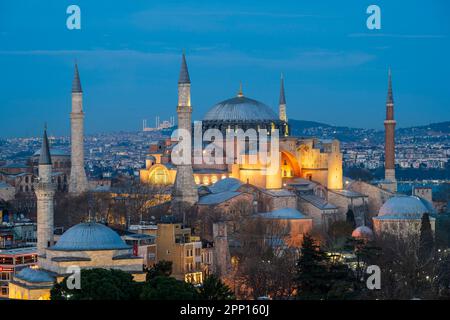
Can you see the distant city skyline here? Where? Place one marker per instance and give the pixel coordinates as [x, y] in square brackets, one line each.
[335, 69]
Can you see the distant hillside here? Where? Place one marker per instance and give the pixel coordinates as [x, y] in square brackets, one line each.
[304, 128]
[440, 127]
[303, 124]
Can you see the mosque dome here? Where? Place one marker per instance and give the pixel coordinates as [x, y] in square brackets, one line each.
[89, 236]
[404, 207]
[240, 108]
[363, 232]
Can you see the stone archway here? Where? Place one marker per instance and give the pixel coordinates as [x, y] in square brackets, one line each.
[158, 174]
[289, 162]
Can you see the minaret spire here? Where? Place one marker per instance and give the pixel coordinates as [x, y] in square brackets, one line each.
[282, 96]
[282, 107]
[76, 83]
[184, 73]
[44, 157]
[389, 144]
[390, 96]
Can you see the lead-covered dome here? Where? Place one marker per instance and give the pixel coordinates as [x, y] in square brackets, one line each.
[240, 108]
[406, 207]
[89, 236]
[363, 232]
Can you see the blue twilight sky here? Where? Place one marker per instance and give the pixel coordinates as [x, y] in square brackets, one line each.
[129, 57]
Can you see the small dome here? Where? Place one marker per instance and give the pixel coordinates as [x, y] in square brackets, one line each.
[240, 108]
[406, 207]
[363, 232]
[89, 236]
[34, 275]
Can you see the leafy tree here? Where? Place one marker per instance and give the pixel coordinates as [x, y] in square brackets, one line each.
[168, 288]
[214, 289]
[98, 284]
[161, 269]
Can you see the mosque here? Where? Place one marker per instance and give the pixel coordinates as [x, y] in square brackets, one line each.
[311, 159]
[306, 192]
[310, 176]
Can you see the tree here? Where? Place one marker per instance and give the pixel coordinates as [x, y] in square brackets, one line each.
[98, 284]
[338, 233]
[162, 268]
[168, 288]
[321, 275]
[269, 268]
[426, 243]
[214, 289]
[311, 279]
[350, 217]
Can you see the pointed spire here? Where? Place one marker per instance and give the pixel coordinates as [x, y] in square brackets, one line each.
[282, 97]
[240, 94]
[44, 157]
[184, 73]
[390, 97]
[76, 84]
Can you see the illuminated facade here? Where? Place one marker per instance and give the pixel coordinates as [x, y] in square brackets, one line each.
[313, 159]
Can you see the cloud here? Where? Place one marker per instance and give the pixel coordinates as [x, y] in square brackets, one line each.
[210, 56]
[207, 21]
[393, 35]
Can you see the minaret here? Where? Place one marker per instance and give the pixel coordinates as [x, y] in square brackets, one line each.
[45, 192]
[282, 108]
[78, 182]
[389, 147]
[185, 190]
[282, 103]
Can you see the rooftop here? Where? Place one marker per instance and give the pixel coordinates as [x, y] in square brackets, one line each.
[318, 202]
[216, 198]
[283, 213]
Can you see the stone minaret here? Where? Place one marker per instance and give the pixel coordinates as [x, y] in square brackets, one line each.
[282, 103]
[389, 147]
[78, 182]
[185, 190]
[45, 192]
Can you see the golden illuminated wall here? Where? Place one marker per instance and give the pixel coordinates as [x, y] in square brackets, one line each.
[22, 293]
[157, 174]
[323, 167]
[335, 167]
[255, 174]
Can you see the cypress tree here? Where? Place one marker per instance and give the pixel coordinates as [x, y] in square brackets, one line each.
[426, 245]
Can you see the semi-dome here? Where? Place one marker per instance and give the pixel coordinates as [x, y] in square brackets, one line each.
[89, 236]
[240, 108]
[363, 232]
[399, 207]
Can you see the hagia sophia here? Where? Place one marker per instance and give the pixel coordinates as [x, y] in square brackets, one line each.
[307, 192]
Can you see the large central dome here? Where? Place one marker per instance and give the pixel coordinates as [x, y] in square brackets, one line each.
[240, 108]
